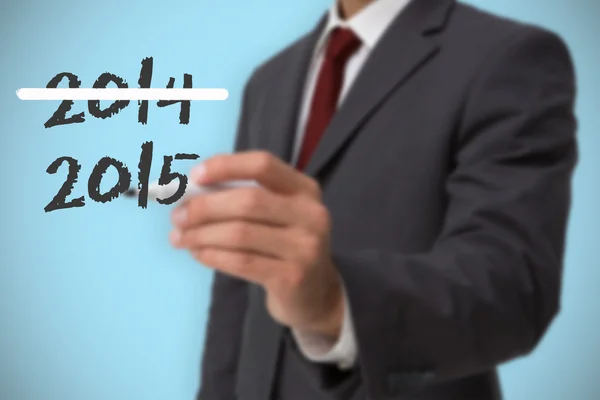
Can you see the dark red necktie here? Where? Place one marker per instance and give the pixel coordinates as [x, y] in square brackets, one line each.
[341, 46]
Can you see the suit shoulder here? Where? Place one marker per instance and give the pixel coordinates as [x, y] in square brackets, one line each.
[476, 40]
[474, 27]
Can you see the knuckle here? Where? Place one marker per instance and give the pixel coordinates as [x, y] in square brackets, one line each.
[195, 207]
[311, 247]
[295, 276]
[204, 256]
[250, 201]
[185, 239]
[197, 255]
[239, 233]
[217, 164]
[264, 162]
[320, 215]
[244, 262]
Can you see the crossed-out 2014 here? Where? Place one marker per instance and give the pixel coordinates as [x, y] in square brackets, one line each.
[60, 115]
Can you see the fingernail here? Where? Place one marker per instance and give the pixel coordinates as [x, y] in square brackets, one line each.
[175, 237]
[198, 173]
[179, 216]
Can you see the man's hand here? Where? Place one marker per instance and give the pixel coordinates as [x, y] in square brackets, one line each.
[275, 235]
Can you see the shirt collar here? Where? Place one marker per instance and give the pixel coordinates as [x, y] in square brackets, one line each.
[369, 24]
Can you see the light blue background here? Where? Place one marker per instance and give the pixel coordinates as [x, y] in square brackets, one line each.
[94, 303]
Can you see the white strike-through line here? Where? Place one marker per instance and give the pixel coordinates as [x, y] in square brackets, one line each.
[122, 94]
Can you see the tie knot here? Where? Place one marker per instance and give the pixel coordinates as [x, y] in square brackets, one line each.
[342, 44]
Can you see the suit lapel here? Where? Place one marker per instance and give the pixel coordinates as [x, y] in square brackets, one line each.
[404, 48]
[287, 93]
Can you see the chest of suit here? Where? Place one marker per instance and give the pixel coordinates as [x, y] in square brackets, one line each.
[385, 158]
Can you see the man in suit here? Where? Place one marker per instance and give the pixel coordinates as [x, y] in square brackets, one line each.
[414, 161]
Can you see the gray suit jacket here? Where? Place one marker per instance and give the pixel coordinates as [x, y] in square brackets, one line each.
[447, 173]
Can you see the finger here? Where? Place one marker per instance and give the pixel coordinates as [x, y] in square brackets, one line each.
[266, 169]
[251, 267]
[248, 204]
[241, 236]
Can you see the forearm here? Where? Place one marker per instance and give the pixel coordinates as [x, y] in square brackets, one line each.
[340, 351]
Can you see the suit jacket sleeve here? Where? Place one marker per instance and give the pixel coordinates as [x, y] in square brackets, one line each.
[488, 288]
[226, 315]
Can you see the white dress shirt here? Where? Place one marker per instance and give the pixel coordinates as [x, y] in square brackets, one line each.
[368, 25]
